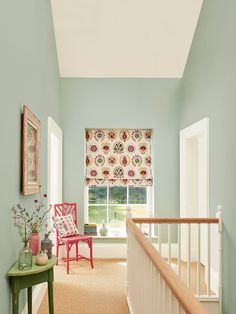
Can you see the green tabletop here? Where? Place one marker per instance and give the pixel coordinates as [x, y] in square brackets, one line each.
[15, 271]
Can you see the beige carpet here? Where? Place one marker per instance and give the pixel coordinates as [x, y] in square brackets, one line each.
[89, 291]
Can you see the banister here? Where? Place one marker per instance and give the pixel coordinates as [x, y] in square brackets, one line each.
[176, 220]
[184, 296]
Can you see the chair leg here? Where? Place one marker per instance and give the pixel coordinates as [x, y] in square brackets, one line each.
[57, 251]
[91, 252]
[67, 258]
[77, 251]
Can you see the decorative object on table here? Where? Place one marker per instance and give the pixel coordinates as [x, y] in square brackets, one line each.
[103, 230]
[41, 258]
[30, 153]
[29, 224]
[65, 210]
[90, 229]
[34, 242]
[25, 258]
[46, 245]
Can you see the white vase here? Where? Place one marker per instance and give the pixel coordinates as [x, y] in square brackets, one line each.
[103, 230]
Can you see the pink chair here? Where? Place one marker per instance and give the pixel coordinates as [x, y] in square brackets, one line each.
[62, 210]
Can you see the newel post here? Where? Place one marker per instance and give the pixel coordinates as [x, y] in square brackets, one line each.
[219, 215]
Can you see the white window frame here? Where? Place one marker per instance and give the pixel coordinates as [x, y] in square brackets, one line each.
[150, 207]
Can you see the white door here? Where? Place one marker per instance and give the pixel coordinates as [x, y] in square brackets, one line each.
[54, 165]
[194, 180]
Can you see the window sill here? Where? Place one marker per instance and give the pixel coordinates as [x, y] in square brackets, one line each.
[109, 237]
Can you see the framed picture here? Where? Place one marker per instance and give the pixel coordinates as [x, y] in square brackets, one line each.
[30, 152]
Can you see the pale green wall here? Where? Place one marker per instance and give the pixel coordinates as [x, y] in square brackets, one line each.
[122, 103]
[28, 75]
[209, 89]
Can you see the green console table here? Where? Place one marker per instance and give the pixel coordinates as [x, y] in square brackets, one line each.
[20, 279]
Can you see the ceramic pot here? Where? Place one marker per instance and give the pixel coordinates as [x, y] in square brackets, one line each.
[46, 245]
[34, 243]
[103, 231]
[41, 258]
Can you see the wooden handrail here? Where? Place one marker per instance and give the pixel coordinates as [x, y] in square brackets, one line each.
[176, 220]
[184, 296]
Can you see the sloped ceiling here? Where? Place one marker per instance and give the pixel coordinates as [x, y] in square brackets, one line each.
[124, 38]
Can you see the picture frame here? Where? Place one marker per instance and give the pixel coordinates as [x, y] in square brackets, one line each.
[30, 153]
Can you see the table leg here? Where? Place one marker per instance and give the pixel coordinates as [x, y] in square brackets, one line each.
[50, 297]
[15, 302]
[30, 300]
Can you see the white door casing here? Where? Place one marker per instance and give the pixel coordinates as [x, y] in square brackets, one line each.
[54, 166]
[194, 182]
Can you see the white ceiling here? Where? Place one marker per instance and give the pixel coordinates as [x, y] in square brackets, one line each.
[124, 38]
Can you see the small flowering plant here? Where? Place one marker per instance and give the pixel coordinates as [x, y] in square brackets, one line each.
[31, 222]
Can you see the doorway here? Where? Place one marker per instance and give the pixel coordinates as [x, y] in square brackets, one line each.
[54, 166]
[194, 183]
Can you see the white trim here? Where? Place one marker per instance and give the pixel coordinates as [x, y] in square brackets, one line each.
[37, 298]
[53, 128]
[190, 138]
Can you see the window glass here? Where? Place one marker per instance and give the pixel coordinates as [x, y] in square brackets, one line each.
[112, 210]
[117, 218]
[137, 195]
[97, 214]
[139, 211]
[97, 195]
[117, 195]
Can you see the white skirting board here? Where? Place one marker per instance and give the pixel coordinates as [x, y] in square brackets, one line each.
[37, 298]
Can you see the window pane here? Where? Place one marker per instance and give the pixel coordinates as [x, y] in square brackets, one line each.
[137, 195]
[97, 195]
[139, 211]
[118, 195]
[117, 218]
[97, 214]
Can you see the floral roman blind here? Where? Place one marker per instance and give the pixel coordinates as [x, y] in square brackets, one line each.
[118, 157]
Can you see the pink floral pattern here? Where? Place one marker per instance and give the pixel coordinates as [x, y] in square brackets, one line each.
[65, 225]
[118, 157]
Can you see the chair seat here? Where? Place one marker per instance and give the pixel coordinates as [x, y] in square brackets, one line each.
[78, 237]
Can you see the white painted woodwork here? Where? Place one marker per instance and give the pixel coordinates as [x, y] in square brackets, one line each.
[54, 193]
[148, 291]
[125, 38]
[165, 244]
[194, 183]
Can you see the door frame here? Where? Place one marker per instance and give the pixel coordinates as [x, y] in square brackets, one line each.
[53, 128]
[192, 133]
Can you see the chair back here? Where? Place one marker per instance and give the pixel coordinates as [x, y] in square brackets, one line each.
[64, 209]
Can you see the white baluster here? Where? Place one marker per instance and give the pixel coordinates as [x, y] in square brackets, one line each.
[179, 250]
[150, 231]
[208, 259]
[169, 244]
[140, 227]
[189, 257]
[220, 253]
[159, 237]
[198, 257]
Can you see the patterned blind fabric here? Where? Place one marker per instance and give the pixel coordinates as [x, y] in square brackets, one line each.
[118, 157]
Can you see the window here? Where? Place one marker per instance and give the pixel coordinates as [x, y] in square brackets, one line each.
[108, 204]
